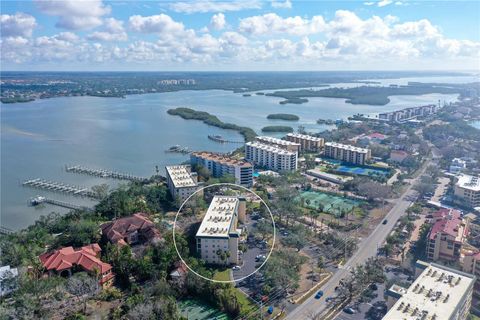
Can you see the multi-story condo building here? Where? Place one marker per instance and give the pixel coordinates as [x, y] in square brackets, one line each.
[181, 181]
[347, 153]
[270, 157]
[438, 292]
[408, 113]
[457, 165]
[307, 143]
[279, 143]
[447, 236]
[471, 264]
[218, 234]
[219, 165]
[467, 190]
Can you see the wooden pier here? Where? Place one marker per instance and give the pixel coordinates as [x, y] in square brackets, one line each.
[6, 231]
[59, 187]
[102, 173]
[62, 204]
[222, 140]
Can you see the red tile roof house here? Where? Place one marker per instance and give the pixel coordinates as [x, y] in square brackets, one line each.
[179, 274]
[67, 260]
[136, 228]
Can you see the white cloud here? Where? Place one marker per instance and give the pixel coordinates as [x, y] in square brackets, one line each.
[384, 3]
[287, 4]
[214, 6]
[218, 21]
[75, 14]
[271, 23]
[17, 25]
[161, 24]
[113, 31]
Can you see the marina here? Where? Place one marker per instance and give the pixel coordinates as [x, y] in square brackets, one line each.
[59, 187]
[5, 231]
[102, 173]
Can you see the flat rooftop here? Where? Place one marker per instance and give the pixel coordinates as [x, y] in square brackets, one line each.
[346, 147]
[181, 176]
[270, 148]
[469, 182]
[304, 136]
[276, 141]
[221, 158]
[437, 291]
[218, 219]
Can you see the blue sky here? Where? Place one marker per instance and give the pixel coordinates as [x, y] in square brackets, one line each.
[240, 35]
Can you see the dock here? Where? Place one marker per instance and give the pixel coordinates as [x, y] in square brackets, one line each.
[223, 140]
[59, 187]
[62, 204]
[6, 231]
[102, 173]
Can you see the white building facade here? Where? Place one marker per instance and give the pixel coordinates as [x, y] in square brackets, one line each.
[181, 181]
[347, 153]
[307, 143]
[271, 157]
[467, 190]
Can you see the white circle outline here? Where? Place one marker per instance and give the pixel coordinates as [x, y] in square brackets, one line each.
[237, 186]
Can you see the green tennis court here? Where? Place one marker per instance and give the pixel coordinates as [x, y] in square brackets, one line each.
[327, 202]
[197, 310]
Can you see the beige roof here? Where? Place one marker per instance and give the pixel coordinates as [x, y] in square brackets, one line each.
[304, 136]
[276, 141]
[270, 148]
[223, 159]
[346, 147]
[469, 182]
[218, 219]
[181, 176]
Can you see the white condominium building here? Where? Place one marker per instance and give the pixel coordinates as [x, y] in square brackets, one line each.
[270, 157]
[279, 143]
[347, 153]
[439, 293]
[217, 237]
[307, 143]
[219, 165]
[181, 181]
[467, 190]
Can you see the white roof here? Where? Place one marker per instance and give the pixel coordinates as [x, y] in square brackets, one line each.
[277, 141]
[219, 217]
[181, 176]
[7, 271]
[437, 291]
[469, 182]
[270, 148]
[304, 136]
[346, 147]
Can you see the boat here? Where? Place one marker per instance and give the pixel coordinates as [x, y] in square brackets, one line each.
[177, 148]
[216, 138]
[37, 200]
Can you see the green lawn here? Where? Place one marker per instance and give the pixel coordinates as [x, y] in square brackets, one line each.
[222, 275]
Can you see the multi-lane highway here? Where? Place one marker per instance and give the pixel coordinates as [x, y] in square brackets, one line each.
[367, 248]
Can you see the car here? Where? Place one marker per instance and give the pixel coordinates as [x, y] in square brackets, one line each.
[373, 286]
[349, 310]
[385, 221]
[319, 294]
[236, 268]
[329, 299]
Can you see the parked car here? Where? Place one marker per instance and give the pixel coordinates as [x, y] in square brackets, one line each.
[385, 221]
[329, 299]
[319, 294]
[236, 268]
[349, 310]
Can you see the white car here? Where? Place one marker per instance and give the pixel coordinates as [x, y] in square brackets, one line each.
[236, 268]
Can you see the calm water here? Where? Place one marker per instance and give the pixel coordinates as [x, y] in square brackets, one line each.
[475, 124]
[39, 138]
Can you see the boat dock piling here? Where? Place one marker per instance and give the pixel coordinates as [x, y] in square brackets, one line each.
[64, 204]
[59, 187]
[104, 173]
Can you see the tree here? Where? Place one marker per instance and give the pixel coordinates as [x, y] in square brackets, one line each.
[101, 191]
[82, 286]
[373, 190]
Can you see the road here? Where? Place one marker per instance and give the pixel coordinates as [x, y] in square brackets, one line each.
[367, 248]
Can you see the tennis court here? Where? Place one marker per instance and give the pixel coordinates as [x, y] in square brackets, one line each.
[329, 203]
[343, 167]
[193, 309]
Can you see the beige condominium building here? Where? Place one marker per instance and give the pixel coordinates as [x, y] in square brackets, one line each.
[447, 235]
[220, 165]
[438, 292]
[270, 156]
[467, 190]
[307, 143]
[181, 181]
[218, 234]
[347, 153]
[279, 143]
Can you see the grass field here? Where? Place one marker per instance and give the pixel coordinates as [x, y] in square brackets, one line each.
[222, 275]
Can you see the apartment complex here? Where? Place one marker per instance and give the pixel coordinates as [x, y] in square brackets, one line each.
[217, 237]
[270, 157]
[447, 236]
[219, 165]
[347, 153]
[408, 113]
[181, 181]
[467, 190]
[457, 165]
[471, 264]
[279, 143]
[438, 292]
[307, 143]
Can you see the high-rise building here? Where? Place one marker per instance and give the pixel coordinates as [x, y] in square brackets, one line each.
[181, 181]
[467, 190]
[270, 157]
[307, 143]
[220, 165]
[347, 153]
[217, 237]
[438, 292]
[279, 143]
[447, 236]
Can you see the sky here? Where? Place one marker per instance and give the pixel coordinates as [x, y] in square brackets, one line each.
[246, 35]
